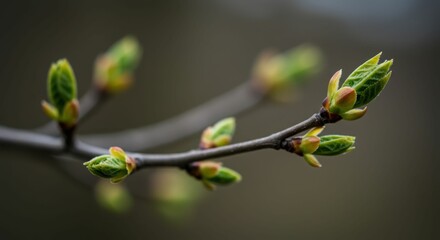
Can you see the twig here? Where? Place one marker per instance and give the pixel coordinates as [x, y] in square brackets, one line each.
[85, 151]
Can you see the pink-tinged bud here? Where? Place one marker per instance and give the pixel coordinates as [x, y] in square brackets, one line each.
[354, 114]
[209, 169]
[114, 69]
[333, 84]
[220, 134]
[343, 100]
[50, 110]
[312, 161]
[70, 113]
[309, 144]
[130, 164]
[118, 153]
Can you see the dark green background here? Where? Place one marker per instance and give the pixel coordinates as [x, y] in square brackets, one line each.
[195, 50]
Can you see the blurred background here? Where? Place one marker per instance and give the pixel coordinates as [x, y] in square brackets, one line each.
[195, 50]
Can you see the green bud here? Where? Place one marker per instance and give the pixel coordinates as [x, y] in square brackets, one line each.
[209, 169]
[333, 84]
[312, 160]
[361, 87]
[224, 176]
[218, 135]
[309, 144]
[50, 110]
[335, 144]
[274, 72]
[343, 100]
[354, 114]
[127, 53]
[70, 113]
[213, 173]
[115, 166]
[61, 84]
[114, 69]
[113, 197]
[369, 80]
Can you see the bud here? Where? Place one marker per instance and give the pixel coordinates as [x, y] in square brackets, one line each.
[50, 110]
[312, 161]
[113, 197]
[115, 166]
[307, 143]
[209, 169]
[61, 84]
[218, 135]
[354, 114]
[369, 79]
[335, 144]
[361, 87]
[114, 69]
[70, 113]
[343, 100]
[213, 173]
[310, 144]
[274, 72]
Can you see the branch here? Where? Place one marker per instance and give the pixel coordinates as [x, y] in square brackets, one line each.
[85, 151]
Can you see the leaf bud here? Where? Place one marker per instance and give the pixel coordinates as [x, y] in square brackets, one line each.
[61, 88]
[274, 72]
[363, 85]
[369, 79]
[115, 166]
[335, 144]
[218, 135]
[213, 173]
[114, 69]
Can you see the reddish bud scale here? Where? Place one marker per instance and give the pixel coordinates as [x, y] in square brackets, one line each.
[295, 144]
[329, 117]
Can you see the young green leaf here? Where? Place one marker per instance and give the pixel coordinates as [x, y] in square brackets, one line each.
[335, 145]
[225, 176]
[363, 70]
[61, 84]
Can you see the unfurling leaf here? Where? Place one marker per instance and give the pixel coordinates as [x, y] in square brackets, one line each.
[61, 84]
[369, 79]
[115, 166]
[361, 87]
[225, 176]
[335, 145]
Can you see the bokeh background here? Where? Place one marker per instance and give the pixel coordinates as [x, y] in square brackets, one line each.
[195, 50]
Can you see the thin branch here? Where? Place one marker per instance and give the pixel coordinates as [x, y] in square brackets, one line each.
[238, 100]
[85, 151]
